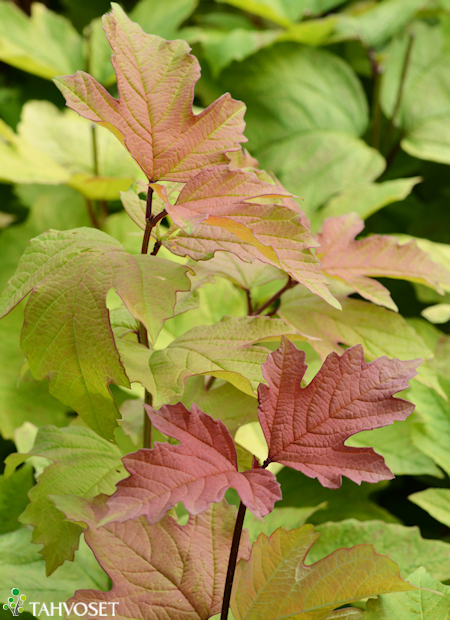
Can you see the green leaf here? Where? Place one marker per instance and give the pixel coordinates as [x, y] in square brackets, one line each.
[71, 273]
[380, 331]
[436, 502]
[57, 147]
[432, 602]
[425, 104]
[404, 545]
[84, 465]
[20, 564]
[287, 518]
[284, 12]
[226, 350]
[377, 22]
[161, 17]
[306, 137]
[350, 500]
[431, 433]
[45, 44]
[276, 584]
[225, 402]
[440, 313]
[366, 199]
[13, 497]
[395, 445]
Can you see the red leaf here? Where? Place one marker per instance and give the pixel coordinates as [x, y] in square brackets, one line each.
[158, 571]
[305, 428]
[197, 472]
[352, 261]
[153, 115]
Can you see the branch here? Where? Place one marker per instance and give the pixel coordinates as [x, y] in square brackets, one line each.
[232, 561]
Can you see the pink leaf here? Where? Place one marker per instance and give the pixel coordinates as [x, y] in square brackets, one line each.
[153, 115]
[197, 472]
[158, 571]
[306, 428]
[378, 255]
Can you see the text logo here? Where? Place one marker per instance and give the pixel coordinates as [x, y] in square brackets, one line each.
[15, 605]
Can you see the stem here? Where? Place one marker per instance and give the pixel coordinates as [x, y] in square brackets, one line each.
[290, 283]
[91, 213]
[401, 89]
[143, 335]
[209, 383]
[232, 561]
[94, 150]
[377, 116]
[249, 302]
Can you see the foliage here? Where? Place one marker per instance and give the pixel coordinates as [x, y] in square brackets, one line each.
[213, 333]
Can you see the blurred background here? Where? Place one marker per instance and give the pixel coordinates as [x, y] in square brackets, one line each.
[348, 103]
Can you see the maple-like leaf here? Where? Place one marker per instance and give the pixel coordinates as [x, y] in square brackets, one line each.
[379, 256]
[305, 428]
[378, 330]
[66, 319]
[197, 472]
[223, 217]
[158, 571]
[276, 583]
[153, 115]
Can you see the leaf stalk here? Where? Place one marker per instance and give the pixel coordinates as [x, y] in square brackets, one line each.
[290, 283]
[232, 561]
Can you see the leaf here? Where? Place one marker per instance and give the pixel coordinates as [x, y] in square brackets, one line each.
[226, 350]
[21, 564]
[13, 497]
[434, 501]
[163, 135]
[425, 104]
[431, 602]
[305, 428]
[44, 44]
[366, 199]
[276, 583]
[440, 313]
[380, 331]
[394, 443]
[220, 48]
[349, 501]
[225, 402]
[287, 518]
[377, 23]
[178, 568]
[405, 545]
[344, 258]
[307, 138]
[197, 472]
[71, 273]
[431, 432]
[163, 18]
[84, 464]
[57, 147]
[283, 12]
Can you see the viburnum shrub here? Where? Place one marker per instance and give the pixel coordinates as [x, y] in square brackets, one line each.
[206, 199]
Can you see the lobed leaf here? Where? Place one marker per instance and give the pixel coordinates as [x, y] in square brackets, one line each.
[163, 135]
[66, 319]
[226, 350]
[83, 464]
[404, 545]
[305, 428]
[197, 472]
[352, 261]
[20, 563]
[159, 567]
[379, 331]
[276, 583]
[431, 601]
